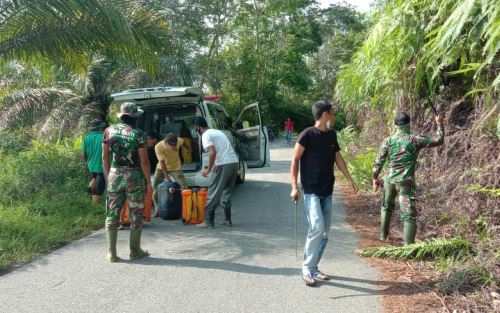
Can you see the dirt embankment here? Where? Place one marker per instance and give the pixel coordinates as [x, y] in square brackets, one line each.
[405, 286]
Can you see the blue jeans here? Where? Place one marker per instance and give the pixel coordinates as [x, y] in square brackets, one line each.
[288, 136]
[319, 218]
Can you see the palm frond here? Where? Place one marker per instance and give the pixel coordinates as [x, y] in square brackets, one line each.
[428, 249]
[66, 31]
[63, 120]
[26, 106]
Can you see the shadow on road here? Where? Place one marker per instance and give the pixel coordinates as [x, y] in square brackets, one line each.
[387, 287]
[220, 265]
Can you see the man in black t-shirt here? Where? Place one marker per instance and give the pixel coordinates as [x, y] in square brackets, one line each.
[316, 151]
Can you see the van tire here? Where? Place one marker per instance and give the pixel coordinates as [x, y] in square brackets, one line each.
[241, 173]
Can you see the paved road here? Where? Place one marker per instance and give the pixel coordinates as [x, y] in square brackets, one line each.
[249, 268]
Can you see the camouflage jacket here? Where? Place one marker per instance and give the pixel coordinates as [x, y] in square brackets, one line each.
[402, 149]
[124, 143]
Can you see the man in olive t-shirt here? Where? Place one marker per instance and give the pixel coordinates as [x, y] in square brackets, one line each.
[169, 164]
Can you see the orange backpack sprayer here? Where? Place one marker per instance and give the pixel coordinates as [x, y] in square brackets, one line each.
[193, 205]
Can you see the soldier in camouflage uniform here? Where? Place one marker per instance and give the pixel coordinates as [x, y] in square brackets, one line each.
[128, 176]
[402, 150]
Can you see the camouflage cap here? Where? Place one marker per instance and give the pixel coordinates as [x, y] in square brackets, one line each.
[97, 124]
[130, 109]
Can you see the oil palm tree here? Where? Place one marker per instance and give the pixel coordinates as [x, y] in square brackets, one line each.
[56, 104]
[66, 57]
[68, 31]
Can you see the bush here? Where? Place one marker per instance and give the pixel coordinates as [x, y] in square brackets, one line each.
[359, 159]
[43, 201]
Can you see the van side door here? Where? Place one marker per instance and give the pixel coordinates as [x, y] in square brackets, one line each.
[253, 137]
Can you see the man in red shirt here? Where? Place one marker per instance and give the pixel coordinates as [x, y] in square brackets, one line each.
[288, 130]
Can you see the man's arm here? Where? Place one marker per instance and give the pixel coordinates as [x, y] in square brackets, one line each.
[343, 168]
[294, 170]
[164, 169]
[436, 140]
[145, 165]
[84, 152]
[383, 152]
[105, 160]
[85, 158]
[211, 160]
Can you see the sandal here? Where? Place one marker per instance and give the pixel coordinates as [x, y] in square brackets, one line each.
[320, 276]
[309, 280]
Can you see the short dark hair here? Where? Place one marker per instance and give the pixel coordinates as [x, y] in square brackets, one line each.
[129, 120]
[319, 107]
[171, 138]
[154, 135]
[200, 121]
[401, 118]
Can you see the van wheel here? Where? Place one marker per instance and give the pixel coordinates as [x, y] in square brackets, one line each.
[241, 173]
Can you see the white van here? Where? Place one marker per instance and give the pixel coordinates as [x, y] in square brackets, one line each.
[171, 109]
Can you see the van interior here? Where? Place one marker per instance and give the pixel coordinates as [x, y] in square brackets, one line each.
[176, 119]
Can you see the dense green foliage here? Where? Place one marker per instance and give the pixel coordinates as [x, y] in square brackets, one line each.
[414, 47]
[430, 57]
[359, 160]
[43, 201]
[283, 54]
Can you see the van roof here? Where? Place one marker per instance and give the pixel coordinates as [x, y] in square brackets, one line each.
[139, 94]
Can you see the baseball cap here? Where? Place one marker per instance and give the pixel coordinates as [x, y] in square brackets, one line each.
[130, 109]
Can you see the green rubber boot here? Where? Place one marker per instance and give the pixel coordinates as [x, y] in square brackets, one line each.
[135, 245]
[410, 231]
[112, 236]
[385, 223]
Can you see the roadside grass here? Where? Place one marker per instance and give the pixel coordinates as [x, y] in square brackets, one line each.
[43, 201]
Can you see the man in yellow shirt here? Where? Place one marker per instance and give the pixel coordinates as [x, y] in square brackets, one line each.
[169, 164]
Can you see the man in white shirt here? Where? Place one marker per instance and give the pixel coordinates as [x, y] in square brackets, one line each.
[221, 155]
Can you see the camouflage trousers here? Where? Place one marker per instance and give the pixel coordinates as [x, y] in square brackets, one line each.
[125, 184]
[405, 192]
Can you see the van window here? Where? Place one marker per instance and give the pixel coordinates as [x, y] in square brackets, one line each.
[214, 115]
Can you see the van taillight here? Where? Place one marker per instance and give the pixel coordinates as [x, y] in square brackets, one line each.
[211, 98]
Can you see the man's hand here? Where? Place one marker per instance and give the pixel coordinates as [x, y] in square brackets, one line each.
[354, 186]
[375, 184]
[205, 172]
[439, 119]
[295, 194]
